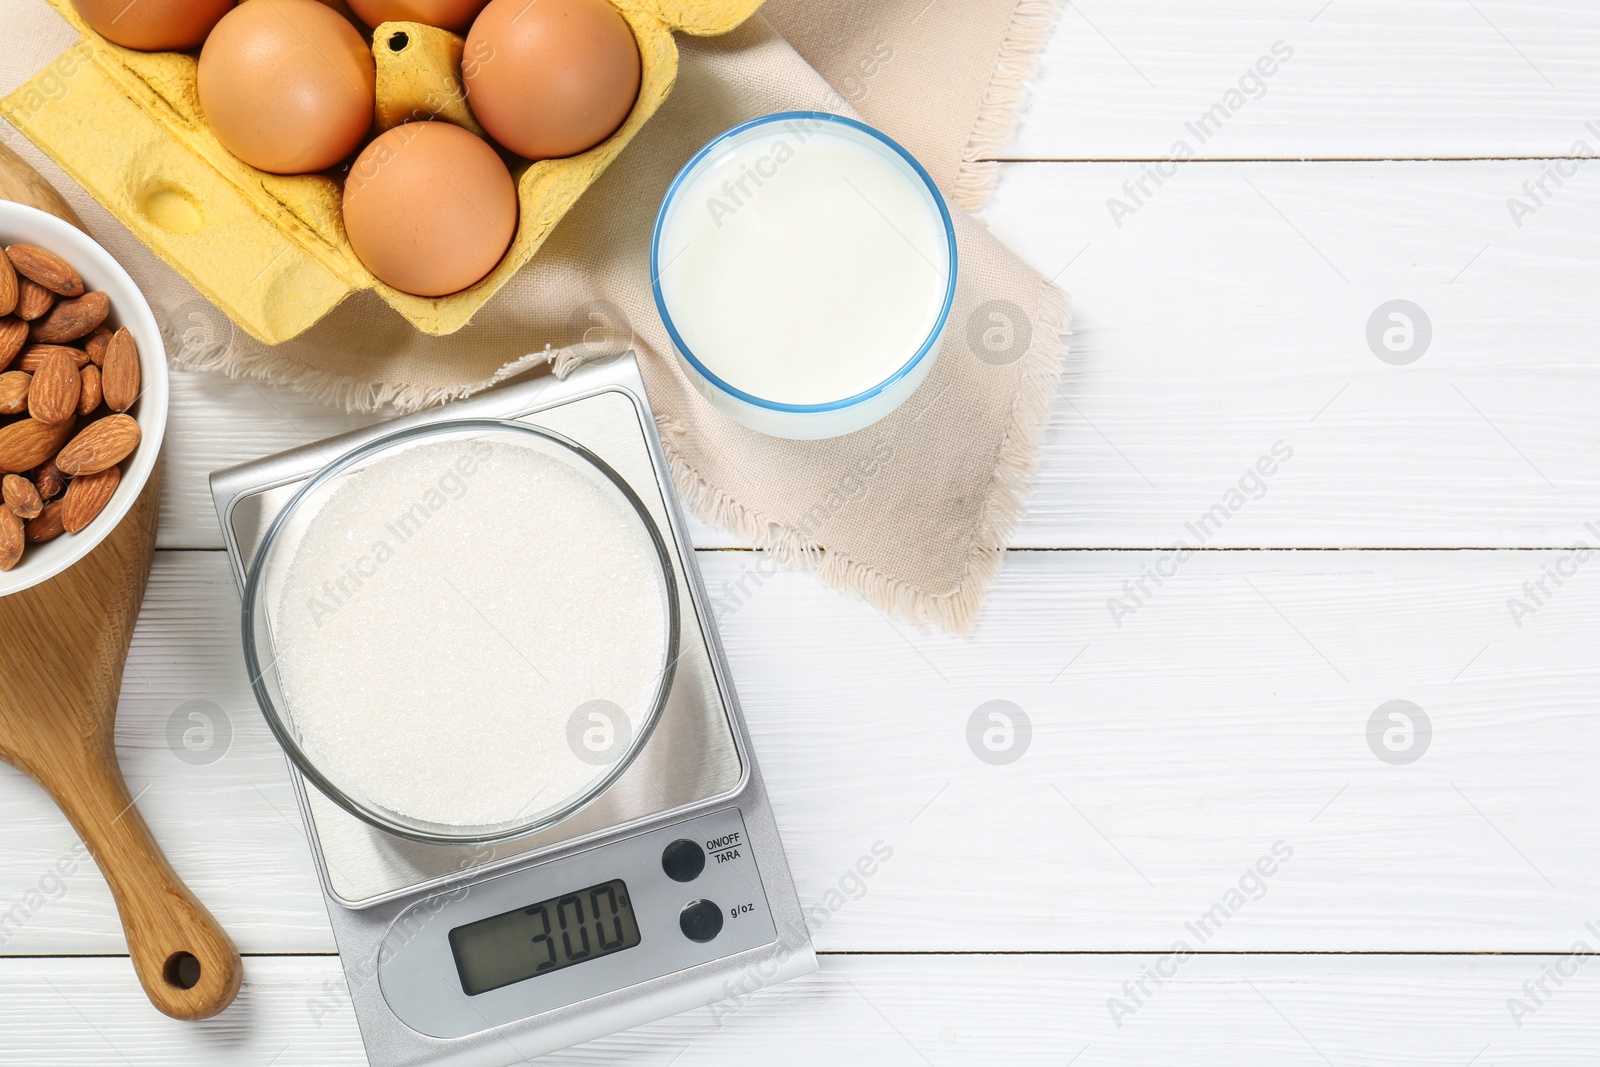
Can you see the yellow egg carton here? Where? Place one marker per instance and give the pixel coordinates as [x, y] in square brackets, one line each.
[268, 249]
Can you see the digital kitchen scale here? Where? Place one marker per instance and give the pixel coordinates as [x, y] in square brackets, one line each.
[453, 952]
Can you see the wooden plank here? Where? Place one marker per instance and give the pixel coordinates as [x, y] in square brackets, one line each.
[1228, 712]
[1208, 329]
[1363, 79]
[1231, 312]
[1354, 1011]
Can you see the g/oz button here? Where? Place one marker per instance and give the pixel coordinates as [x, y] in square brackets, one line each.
[700, 920]
[683, 860]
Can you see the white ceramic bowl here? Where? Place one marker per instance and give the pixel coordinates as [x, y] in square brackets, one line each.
[26, 225]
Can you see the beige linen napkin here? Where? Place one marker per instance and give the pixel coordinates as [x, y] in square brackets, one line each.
[913, 512]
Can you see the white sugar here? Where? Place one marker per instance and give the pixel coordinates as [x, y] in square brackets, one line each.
[446, 614]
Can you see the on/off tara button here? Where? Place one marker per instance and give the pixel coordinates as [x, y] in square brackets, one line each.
[683, 860]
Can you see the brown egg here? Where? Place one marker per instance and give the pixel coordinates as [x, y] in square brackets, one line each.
[153, 25]
[446, 14]
[562, 76]
[288, 86]
[429, 208]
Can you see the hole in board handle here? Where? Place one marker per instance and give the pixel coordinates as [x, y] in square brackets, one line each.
[398, 41]
[181, 971]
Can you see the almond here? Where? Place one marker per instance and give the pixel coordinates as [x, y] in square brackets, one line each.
[33, 357]
[119, 376]
[10, 538]
[33, 299]
[71, 319]
[95, 345]
[86, 497]
[49, 480]
[26, 443]
[47, 526]
[54, 393]
[90, 396]
[13, 334]
[8, 286]
[45, 268]
[102, 444]
[14, 392]
[21, 496]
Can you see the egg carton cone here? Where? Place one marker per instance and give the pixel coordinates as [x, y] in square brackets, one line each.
[270, 250]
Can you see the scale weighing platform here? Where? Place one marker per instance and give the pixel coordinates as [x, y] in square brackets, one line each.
[677, 864]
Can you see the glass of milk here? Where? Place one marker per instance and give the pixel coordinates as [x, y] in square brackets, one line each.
[804, 265]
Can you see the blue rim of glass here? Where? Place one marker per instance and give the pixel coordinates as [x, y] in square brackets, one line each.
[832, 405]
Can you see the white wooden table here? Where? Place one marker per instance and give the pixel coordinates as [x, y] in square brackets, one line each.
[1421, 908]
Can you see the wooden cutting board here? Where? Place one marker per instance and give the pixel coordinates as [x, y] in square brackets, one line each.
[63, 644]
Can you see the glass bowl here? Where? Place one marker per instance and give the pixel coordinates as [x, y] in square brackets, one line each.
[398, 640]
[804, 290]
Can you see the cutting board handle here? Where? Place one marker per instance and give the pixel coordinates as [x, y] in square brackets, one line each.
[188, 966]
[63, 650]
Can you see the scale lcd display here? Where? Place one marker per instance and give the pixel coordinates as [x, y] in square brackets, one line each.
[544, 937]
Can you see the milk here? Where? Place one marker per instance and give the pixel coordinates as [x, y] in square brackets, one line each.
[804, 262]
